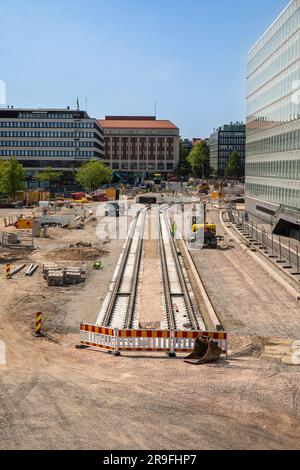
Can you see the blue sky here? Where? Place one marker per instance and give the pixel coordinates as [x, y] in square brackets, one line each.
[124, 55]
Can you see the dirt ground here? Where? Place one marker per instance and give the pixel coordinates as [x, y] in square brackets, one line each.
[247, 299]
[56, 397]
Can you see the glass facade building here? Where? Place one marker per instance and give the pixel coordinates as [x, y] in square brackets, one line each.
[273, 119]
[224, 141]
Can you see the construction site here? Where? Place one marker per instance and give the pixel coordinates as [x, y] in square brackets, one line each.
[163, 329]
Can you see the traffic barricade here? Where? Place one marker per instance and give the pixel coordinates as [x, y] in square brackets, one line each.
[168, 341]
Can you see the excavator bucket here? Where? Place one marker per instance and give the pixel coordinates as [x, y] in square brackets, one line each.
[206, 351]
[200, 349]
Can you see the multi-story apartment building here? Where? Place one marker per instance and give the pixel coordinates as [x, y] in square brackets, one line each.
[141, 145]
[60, 138]
[273, 123]
[224, 141]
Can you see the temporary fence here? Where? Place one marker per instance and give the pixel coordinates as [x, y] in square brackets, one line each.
[17, 239]
[284, 252]
[172, 342]
[11, 237]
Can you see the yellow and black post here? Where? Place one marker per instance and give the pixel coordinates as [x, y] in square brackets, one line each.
[38, 324]
[8, 273]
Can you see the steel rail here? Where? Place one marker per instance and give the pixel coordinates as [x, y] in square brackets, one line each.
[190, 309]
[166, 281]
[135, 278]
[185, 294]
[118, 281]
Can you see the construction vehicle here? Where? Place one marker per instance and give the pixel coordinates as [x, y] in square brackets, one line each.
[210, 234]
[203, 188]
[157, 178]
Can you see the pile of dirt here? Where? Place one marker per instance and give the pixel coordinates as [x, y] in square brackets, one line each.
[245, 346]
[77, 254]
[9, 256]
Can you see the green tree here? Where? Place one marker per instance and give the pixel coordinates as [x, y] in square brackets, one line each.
[199, 160]
[12, 176]
[92, 174]
[233, 167]
[48, 175]
[184, 167]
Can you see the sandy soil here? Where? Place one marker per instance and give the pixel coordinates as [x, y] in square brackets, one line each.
[63, 308]
[56, 397]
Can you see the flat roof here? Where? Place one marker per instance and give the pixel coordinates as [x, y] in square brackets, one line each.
[41, 110]
[137, 123]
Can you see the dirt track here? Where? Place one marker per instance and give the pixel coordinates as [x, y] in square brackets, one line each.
[56, 397]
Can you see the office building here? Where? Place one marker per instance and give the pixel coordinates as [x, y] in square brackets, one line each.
[273, 123]
[225, 140]
[60, 138]
[188, 145]
[142, 145]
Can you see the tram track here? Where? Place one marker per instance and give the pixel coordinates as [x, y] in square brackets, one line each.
[179, 306]
[118, 310]
[179, 299]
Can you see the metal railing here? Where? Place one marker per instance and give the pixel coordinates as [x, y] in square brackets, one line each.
[284, 252]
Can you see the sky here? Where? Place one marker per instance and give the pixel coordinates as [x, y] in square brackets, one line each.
[122, 56]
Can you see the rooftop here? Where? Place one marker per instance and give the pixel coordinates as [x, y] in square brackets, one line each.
[135, 122]
[40, 113]
[40, 110]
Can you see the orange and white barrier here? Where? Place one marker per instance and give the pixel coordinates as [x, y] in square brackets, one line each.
[147, 340]
[97, 337]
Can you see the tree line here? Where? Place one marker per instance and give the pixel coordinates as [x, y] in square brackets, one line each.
[90, 176]
[197, 162]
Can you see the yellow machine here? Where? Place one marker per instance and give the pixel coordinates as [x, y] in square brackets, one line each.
[217, 195]
[83, 200]
[113, 194]
[210, 234]
[29, 198]
[24, 223]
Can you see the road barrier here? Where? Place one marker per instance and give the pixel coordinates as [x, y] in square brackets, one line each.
[38, 323]
[8, 273]
[168, 341]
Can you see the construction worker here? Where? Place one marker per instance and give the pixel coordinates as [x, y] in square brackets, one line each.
[173, 230]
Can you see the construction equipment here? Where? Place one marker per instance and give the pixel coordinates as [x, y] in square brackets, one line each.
[217, 195]
[113, 194]
[203, 188]
[30, 198]
[210, 234]
[157, 178]
[205, 351]
[24, 223]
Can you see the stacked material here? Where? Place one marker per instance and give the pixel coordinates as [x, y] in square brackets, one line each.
[58, 276]
[73, 275]
[55, 278]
